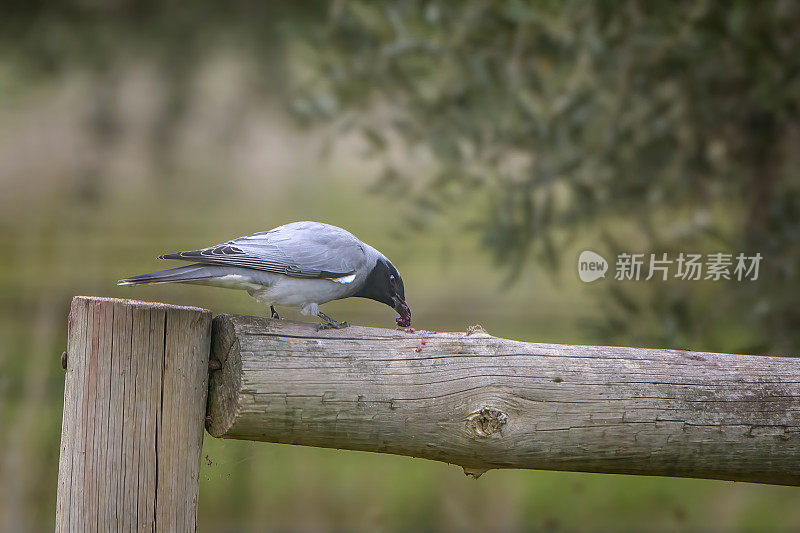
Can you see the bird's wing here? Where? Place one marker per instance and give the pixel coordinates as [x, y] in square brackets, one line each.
[300, 250]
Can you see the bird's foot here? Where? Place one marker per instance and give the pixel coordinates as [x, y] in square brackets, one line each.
[274, 312]
[330, 323]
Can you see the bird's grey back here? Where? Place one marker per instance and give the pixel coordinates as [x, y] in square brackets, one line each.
[299, 249]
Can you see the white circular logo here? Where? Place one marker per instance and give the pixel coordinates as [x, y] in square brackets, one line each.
[591, 266]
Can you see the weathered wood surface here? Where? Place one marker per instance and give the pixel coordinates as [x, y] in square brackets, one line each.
[134, 406]
[484, 402]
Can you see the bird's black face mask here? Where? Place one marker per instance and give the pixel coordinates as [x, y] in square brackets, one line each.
[399, 299]
[385, 285]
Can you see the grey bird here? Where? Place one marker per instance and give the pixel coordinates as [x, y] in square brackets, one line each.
[302, 264]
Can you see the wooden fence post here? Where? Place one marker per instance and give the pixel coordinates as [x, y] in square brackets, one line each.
[134, 408]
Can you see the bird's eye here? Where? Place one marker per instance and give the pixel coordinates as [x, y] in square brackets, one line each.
[391, 277]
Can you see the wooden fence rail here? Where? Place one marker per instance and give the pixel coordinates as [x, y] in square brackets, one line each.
[483, 402]
[137, 379]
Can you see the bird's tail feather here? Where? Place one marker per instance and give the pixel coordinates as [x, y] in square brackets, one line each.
[173, 275]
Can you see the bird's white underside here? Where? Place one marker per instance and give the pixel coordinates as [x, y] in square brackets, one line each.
[277, 289]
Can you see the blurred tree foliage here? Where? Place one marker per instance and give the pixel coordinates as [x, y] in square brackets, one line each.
[677, 119]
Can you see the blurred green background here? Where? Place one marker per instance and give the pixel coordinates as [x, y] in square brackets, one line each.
[480, 145]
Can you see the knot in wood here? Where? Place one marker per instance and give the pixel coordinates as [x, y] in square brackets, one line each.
[486, 422]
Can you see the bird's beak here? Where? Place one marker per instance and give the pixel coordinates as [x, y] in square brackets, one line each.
[404, 320]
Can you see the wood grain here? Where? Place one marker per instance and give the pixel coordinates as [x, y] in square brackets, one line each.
[483, 402]
[132, 427]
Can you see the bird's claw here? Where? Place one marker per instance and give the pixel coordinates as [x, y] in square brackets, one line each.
[332, 325]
